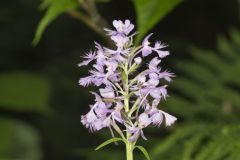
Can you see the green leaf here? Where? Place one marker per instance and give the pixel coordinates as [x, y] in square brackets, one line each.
[108, 142]
[149, 12]
[55, 8]
[226, 47]
[19, 140]
[144, 151]
[24, 92]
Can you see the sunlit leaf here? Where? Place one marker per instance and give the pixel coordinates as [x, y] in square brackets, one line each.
[54, 9]
[150, 12]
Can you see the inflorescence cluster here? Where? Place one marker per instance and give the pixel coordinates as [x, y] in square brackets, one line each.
[127, 99]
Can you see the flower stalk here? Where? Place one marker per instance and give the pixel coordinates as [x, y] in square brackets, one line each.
[129, 150]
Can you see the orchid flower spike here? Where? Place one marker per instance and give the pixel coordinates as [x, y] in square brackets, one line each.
[127, 98]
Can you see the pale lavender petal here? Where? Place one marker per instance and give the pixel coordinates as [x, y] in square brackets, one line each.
[153, 82]
[110, 32]
[135, 132]
[121, 27]
[119, 58]
[98, 125]
[169, 119]
[117, 24]
[99, 68]
[91, 117]
[163, 91]
[146, 106]
[162, 54]
[146, 50]
[153, 75]
[117, 116]
[157, 118]
[129, 27]
[153, 65]
[159, 92]
[107, 92]
[111, 66]
[120, 41]
[159, 45]
[166, 75]
[141, 79]
[99, 81]
[90, 56]
[86, 81]
[101, 58]
[145, 91]
[145, 41]
[101, 109]
[155, 93]
[134, 137]
[144, 120]
[84, 120]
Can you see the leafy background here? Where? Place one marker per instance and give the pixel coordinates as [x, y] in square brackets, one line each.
[41, 102]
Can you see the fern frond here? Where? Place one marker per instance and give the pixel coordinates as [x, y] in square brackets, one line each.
[207, 94]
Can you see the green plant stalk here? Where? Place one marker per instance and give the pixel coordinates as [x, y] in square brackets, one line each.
[129, 149]
[129, 145]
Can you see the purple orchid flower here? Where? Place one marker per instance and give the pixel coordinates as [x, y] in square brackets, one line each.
[120, 36]
[135, 133]
[157, 115]
[90, 56]
[127, 100]
[121, 28]
[146, 50]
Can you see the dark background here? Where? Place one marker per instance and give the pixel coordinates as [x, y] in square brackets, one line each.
[60, 134]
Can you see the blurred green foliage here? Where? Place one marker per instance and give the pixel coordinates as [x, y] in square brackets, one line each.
[152, 11]
[19, 141]
[149, 13]
[208, 85]
[204, 96]
[209, 103]
[54, 9]
[24, 92]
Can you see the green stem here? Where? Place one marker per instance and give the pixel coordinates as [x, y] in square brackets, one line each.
[134, 107]
[126, 88]
[129, 149]
[129, 145]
